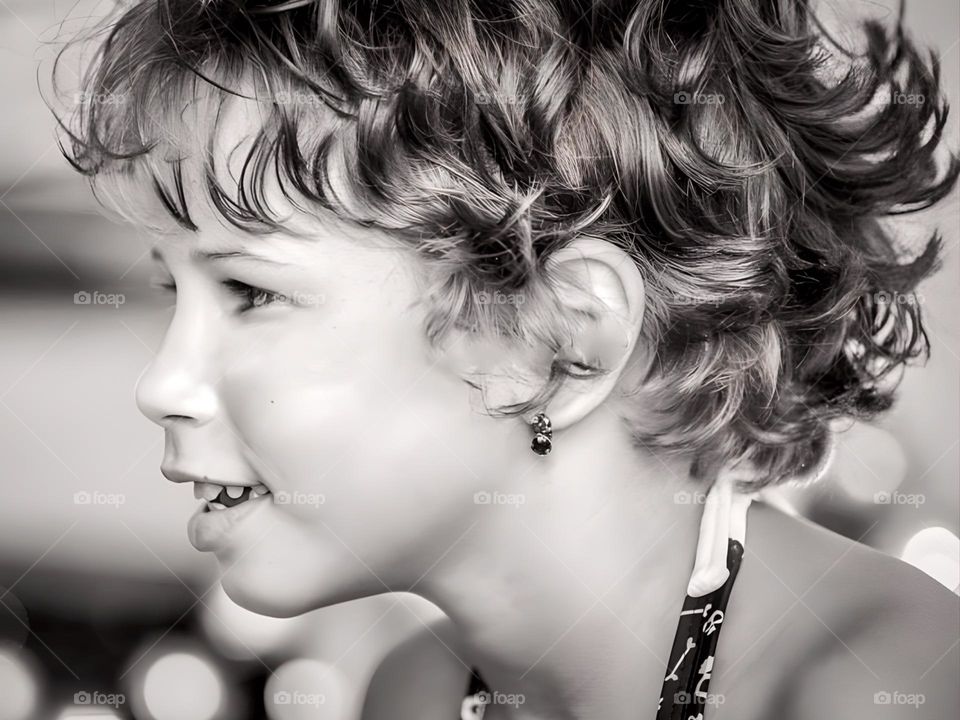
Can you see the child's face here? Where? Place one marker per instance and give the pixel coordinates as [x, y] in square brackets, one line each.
[320, 384]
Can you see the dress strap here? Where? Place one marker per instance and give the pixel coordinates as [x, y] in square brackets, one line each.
[475, 702]
[724, 516]
[684, 694]
[723, 529]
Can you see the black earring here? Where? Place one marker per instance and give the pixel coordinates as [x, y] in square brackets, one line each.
[542, 443]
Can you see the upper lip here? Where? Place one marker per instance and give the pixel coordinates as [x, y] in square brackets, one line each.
[178, 475]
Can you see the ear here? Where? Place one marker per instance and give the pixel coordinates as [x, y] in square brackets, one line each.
[600, 285]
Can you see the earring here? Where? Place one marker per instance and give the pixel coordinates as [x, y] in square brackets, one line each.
[542, 443]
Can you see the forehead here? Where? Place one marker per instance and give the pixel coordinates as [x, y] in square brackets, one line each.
[306, 225]
[215, 158]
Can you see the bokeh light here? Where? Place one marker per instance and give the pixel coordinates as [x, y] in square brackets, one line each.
[182, 686]
[936, 551]
[74, 713]
[18, 684]
[869, 461]
[308, 689]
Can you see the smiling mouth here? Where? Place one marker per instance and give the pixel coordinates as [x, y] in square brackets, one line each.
[223, 497]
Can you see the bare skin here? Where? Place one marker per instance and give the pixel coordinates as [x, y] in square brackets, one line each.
[817, 625]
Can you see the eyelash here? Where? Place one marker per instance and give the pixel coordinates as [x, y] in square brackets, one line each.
[255, 297]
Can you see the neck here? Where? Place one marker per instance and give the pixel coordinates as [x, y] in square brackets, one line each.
[570, 598]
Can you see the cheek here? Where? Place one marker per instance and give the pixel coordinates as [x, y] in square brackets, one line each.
[361, 427]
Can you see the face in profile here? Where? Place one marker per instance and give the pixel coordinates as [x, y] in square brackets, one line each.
[295, 385]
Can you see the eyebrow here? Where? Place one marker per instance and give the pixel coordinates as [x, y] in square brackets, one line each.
[207, 255]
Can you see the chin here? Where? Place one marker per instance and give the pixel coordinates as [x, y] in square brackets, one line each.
[286, 584]
[266, 591]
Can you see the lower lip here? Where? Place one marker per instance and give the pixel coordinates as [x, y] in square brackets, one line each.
[210, 530]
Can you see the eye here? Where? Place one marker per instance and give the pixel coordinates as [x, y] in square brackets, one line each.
[167, 287]
[164, 285]
[253, 297]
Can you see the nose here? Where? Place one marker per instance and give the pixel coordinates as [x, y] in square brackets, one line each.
[177, 384]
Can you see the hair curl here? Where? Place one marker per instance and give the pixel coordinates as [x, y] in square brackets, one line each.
[740, 156]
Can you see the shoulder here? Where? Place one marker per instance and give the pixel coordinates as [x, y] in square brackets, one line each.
[823, 626]
[898, 660]
[422, 678]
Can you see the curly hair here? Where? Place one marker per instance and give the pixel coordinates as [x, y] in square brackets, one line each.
[744, 159]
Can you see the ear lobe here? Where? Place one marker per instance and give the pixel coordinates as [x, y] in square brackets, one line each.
[601, 284]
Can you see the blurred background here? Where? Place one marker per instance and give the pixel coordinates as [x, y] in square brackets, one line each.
[106, 611]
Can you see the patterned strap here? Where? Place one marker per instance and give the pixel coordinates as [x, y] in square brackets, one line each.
[685, 695]
[478, 695]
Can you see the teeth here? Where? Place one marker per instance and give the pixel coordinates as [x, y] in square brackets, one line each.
[234, 491]
[211, 491]
[207, 491]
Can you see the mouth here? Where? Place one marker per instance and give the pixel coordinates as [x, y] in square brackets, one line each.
[222, 497]
[224, 508]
